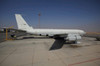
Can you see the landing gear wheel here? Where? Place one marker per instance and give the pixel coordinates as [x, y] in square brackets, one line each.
[98, 39]
[74, 42]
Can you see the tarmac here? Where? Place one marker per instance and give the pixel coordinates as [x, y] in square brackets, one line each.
[41, 51]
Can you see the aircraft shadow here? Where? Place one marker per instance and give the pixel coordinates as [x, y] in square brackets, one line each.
[28, 37]
[36, 38]
[33, 38]
[57, 44]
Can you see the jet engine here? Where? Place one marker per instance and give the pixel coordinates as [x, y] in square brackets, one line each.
[73, 37]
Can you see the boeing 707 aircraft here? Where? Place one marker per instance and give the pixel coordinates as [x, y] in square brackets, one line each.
[67, 34]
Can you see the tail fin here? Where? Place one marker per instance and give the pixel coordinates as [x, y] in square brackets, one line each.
[21, 23]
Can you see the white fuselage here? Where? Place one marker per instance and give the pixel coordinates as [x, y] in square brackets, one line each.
[67, 34]
[52, 32]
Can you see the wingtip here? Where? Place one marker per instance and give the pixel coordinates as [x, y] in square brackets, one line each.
[17, 14]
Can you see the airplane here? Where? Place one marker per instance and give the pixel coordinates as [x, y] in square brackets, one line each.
[67, 34]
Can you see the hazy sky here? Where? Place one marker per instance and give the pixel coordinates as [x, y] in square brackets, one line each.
[75, 14]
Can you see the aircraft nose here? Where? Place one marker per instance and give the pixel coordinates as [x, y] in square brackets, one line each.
[83, 32]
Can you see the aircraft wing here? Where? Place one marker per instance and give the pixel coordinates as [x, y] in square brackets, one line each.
[17, 30]
[14, 29]
[60, 35]
[70, 37]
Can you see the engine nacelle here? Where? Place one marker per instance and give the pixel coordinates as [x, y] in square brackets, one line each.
[73, 37]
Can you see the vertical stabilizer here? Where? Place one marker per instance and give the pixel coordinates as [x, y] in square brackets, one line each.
[21, 23]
